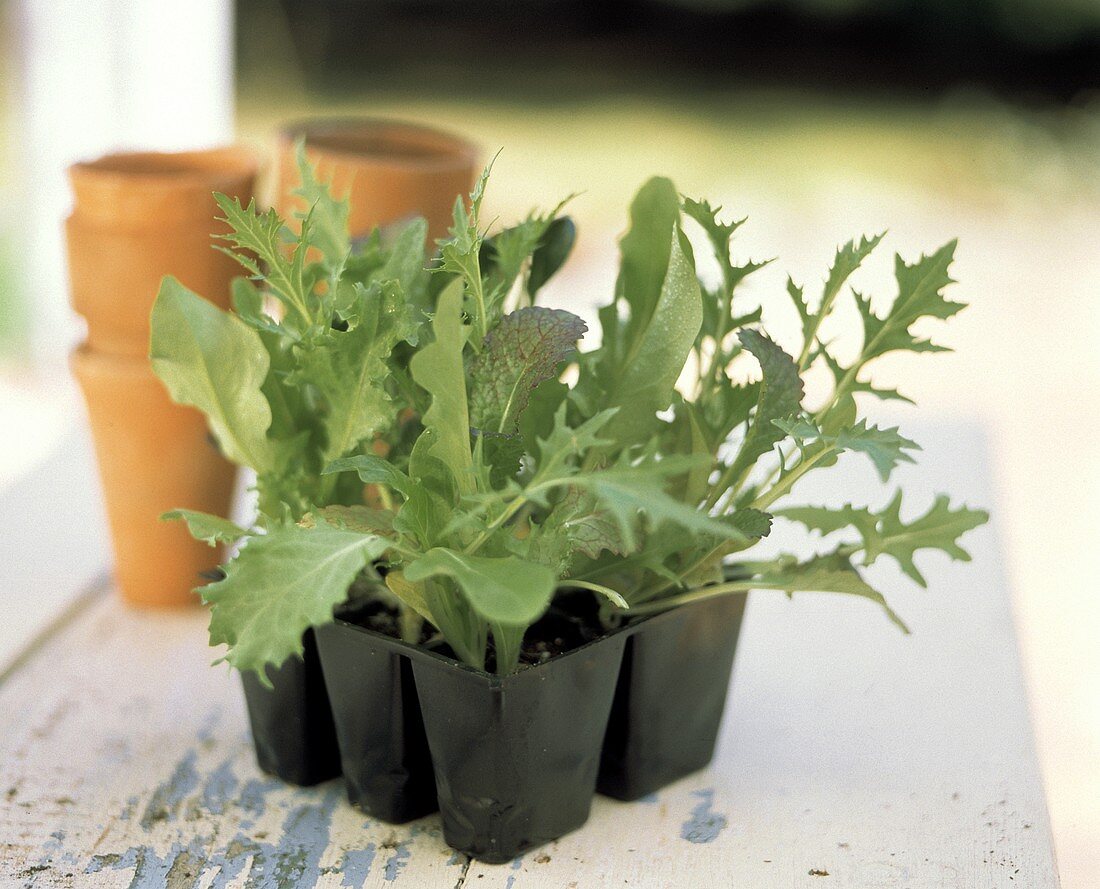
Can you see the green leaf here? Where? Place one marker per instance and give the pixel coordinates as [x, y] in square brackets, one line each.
[460, 255]
[886, 534]
[407, 264]
[656, 349]
[524, 350]
[248, 303]
[329, 215]
[719, 234]
[208, 528]
[920, 295]
[438, 368]
[356, 517]
[280, 584]
[848, 258]
[540, 237]
[780, 397]
[565, 441]
[215, 362]
[939, 528]
[575, 524]
[349, 369]
[551, 253]
[373, 470]
[629, 492]
[508, 590]
[885, 447]
[262, 233]
[829, 520]
[831, 573]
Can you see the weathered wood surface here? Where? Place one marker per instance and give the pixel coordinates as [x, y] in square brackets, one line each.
[851, 757]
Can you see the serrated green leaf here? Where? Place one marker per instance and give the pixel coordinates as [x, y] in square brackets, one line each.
[329, 215]
[508, 590]
[262, 233]
[848, 258]
[349, 369]
[831, 573]
[939, 528]
[920, 295]
[280, 584]
[213, 361]
[524, 350]
[210, 529]
[719, 234]
[830, 520]
[575, 524]
[885, 447]
[885, 533]
[780, 397]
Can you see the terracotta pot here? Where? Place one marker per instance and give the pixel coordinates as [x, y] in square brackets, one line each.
[153, 456]
[390, 170]
[139, 217]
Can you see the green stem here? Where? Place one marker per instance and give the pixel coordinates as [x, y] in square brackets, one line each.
[784, 485]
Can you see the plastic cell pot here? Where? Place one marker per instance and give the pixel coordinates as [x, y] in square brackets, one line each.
[384, 751]
[153, 456]
[670, 697]
[291, 722]
[389, 170]
[138, 217]
[516, 757]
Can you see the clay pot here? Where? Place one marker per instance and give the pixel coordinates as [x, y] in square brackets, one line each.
[138, 217]
[390, 170]
[153, 456]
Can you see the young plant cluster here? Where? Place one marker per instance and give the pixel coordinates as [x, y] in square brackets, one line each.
[414, 442]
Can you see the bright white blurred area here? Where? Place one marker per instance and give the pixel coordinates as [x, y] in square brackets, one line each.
[1017, 185]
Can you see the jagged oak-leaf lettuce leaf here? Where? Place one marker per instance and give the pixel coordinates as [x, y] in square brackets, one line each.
[885, 533]
[280, 584]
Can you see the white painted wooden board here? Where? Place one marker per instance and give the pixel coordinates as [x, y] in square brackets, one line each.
[847, 750]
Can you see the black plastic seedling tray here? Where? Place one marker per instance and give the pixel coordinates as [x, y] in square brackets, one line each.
[513, 761]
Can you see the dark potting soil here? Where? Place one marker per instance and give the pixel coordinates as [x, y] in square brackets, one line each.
[571, 621]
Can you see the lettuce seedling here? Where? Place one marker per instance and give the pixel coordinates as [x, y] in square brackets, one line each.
[414, 442]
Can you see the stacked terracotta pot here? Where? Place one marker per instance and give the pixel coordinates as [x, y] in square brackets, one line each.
[136, 218]
[139, 217]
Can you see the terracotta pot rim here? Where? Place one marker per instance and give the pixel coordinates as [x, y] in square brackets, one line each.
[383, 142]
[88, 362]
[146, 188]
[167, 169]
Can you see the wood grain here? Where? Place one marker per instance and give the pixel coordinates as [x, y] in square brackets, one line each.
[851, 757]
